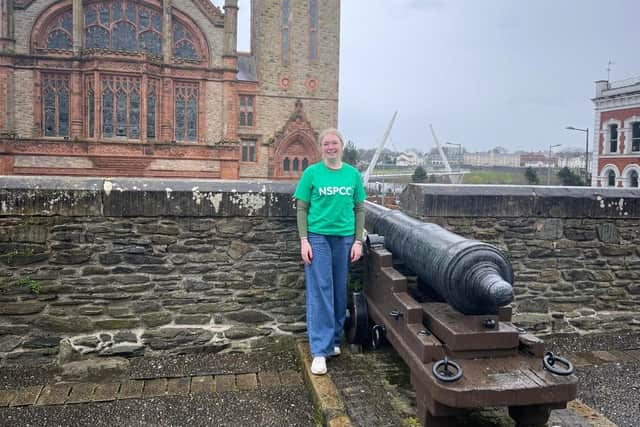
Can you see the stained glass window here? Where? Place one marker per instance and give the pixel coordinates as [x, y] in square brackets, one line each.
[183, 43]
[150, 42]
[186, 111]
[60, 32]
[313, 30]
[285, 30]
[97, 38]
[120, 107]
[151, 108]
[123, 37]
[55, 104]
[91, 113]
[125, 26]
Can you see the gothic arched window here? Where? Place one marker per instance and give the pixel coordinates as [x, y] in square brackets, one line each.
[120, 107]
[60, 32]
[285, 164]
[611, 178]
[186, 111]
[124, 26]
[296, 164]
[305, 163]
[183, 43]
[55, 104]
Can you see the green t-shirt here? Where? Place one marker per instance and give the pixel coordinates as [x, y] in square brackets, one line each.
[331, 195]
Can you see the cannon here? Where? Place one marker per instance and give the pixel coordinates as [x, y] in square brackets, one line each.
[473, 277]
[452, 324]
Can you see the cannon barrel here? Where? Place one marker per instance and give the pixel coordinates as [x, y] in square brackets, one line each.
[472, 276]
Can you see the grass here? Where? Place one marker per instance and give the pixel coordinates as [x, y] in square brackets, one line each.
[480, 176]
[508, 177]
[27, 282]
[494, 177]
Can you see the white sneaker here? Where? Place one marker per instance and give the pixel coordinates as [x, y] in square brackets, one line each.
[336, 351]
[319, 366]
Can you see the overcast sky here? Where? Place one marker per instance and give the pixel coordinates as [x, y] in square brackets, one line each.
[485, 73]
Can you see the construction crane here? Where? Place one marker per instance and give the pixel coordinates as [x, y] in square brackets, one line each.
[374, 160]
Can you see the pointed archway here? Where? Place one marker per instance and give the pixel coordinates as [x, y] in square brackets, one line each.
[294, 147]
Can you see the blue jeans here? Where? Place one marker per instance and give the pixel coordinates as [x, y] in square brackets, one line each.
[326, 280]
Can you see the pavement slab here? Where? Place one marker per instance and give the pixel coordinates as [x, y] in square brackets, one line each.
[225, 383]
[203, 384]
[106, 392]
[81, 392]
[131, 389]
[179, 386]
[155, 387]
[269, 379]
[247, 381]
[26, 396]
[634, 355]
[54, 394]
[6, 396]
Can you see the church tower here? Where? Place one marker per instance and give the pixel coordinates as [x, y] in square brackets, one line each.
[295, 45]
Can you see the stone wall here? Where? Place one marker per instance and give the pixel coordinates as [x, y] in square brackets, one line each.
[575, 250]
[127, 267]
[135, 266]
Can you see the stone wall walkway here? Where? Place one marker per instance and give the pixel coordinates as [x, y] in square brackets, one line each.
[263, 388]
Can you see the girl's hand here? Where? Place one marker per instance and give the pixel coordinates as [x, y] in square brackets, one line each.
[356, 251]
[305, 251]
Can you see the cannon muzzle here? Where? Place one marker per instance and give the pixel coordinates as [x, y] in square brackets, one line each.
[472, 276]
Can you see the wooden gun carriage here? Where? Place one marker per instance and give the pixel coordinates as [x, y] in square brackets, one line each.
[463, 353]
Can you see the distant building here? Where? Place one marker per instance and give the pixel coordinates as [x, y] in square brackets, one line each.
[409, 159]
[433, 160]
[617, 136]
[572, 161]
[491, 158]
[537, 160]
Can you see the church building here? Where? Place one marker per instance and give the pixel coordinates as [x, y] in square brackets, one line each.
[156, 88]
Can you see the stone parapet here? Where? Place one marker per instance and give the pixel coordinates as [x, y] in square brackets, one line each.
[125, 197]
[135, 266]
[575, 250]
[520, 201]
